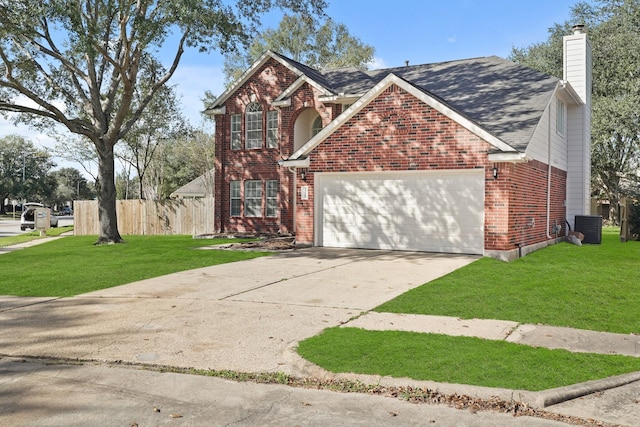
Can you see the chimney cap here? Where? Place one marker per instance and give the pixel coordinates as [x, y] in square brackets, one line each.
[578, 29]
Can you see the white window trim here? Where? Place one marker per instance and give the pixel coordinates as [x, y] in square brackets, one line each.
[236, 134]
[561, 117]
[253, 203]
[271, 184]
[272, 128]
[233, 198]
[253, 125]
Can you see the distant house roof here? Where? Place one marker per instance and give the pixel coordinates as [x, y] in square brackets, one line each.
[503, 98]
[202, 186]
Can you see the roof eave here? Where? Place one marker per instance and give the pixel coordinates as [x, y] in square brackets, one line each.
[508, 157]
[341, 98]
[566, 88]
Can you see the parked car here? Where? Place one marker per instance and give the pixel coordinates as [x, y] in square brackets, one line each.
[27, 219]
[66, 210]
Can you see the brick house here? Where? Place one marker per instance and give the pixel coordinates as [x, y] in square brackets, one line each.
[480, 156]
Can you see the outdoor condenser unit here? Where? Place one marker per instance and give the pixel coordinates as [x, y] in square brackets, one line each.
[591, 227]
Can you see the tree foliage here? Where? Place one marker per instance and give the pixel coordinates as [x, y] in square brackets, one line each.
[612, 26]
[161, 123]
[306, 40]
[93, 67]
[71, 185]
[24, 171]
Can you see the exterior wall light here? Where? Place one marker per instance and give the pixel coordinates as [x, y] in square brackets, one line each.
[495, 172]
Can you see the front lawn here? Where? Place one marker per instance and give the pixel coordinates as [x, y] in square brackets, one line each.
[73, 265]
[594, 287]
[459, 360]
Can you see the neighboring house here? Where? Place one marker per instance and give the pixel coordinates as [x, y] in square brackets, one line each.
[479, 156]
[200, 187]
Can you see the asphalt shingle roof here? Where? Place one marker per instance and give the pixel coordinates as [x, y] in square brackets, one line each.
[504, 98]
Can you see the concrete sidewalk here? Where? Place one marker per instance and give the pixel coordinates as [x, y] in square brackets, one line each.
[574, 340]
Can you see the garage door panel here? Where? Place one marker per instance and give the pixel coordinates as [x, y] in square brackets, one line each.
[441, 212]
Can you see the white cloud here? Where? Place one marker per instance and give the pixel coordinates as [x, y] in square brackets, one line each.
[451, 39]
[377, 63]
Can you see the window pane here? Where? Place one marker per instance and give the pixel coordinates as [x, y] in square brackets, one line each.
[253, 122]
[272, 198]
[272, 129]
[236, 141]
[560, 117]
[317, 126]
[253, 198]
[234, 191]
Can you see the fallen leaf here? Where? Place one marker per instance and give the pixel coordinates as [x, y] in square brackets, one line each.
[175, 415]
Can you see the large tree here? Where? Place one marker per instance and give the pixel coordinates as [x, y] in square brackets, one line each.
[24, 171]
[318, 44]
[612, 26]
[93, 66]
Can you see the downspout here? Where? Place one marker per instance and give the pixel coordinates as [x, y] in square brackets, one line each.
[549, 175]
[293, 171]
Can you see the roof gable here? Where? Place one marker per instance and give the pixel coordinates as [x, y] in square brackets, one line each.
[423, 96]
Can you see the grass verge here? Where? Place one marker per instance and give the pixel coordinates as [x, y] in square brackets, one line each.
[33, 235]
[459, 360]
[73, 265]
[591, 287]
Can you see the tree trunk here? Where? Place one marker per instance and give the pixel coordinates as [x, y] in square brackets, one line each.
[106, 187]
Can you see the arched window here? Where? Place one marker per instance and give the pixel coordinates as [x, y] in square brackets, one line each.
[316, 127]
[253, 122]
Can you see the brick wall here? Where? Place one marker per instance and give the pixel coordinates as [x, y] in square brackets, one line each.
[395, 132]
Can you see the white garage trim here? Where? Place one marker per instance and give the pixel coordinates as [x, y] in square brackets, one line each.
[431, 211]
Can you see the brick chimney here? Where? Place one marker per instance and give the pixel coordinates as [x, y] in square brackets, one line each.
[577, 72]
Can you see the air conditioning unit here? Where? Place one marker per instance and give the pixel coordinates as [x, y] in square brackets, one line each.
[591, 227]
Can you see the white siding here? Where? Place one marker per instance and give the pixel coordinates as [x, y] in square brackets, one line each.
[577, 71]
[538, 148]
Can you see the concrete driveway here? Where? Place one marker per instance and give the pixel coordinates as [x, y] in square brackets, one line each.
[245, 316]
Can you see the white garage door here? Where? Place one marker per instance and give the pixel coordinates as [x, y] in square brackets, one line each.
[435, 211]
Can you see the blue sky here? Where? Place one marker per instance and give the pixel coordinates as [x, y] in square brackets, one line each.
[420, 31]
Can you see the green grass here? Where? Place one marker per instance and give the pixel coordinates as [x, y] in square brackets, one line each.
[33, 235]
[594, 287]
[74, 265]
[460, 360]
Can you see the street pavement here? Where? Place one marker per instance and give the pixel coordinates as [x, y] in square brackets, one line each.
[248, 317]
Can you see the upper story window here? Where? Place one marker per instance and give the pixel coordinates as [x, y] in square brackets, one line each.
[253, 123]
[236, 131]
[272, 129]
[316, 127]
[560, 117]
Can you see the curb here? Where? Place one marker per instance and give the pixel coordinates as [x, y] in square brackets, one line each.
[562, 394]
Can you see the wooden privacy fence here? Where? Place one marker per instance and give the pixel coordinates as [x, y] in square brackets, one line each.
[181, 216]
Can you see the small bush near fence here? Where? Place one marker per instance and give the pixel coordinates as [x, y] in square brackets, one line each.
[149, 217]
